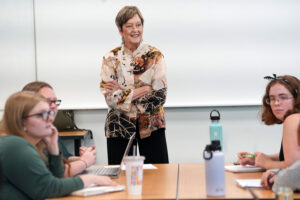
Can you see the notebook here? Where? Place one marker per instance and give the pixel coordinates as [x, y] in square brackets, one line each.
[241, 168]
[252, 183]
[111, 170]
[97, 190]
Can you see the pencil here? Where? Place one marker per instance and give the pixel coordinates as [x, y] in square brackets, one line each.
[248, 155]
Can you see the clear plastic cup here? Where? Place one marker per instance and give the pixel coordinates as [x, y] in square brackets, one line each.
[134, 174]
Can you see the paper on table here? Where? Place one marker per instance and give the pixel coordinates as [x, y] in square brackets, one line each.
[244, 183]
[97, 190]
[145, 166]
[241, 168]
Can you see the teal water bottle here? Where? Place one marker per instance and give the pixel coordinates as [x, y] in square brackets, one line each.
[215, 128]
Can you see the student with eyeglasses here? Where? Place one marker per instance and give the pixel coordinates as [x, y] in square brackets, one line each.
[26, 133]
[281, 105]
[74, 164]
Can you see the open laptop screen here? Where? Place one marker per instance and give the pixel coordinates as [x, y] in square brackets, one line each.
[127, 149]
[112, 171]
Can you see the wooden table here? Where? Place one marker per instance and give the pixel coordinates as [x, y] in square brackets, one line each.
[77, 135]
[192, 184]
[157, 184]
[165, 183]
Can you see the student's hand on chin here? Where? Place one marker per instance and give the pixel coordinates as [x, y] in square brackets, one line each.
[52, 138]
[51, 142]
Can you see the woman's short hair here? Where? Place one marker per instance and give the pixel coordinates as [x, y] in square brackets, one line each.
[127, 13]
[36, 86]
[292, 84]
[17, 107]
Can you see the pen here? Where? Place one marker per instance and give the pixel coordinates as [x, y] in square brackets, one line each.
[236, 163]
[248, 156]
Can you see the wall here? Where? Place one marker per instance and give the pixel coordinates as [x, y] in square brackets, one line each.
[17, 49]
[214, 49]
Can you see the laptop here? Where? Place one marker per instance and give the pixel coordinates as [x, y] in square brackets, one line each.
[112, 171]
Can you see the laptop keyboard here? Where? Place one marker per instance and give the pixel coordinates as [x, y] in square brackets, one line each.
[107, 171]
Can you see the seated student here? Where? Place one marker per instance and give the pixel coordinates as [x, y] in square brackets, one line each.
[26, 136]
[0, 178]
[75, 164]
[289, 177]
[281, 104]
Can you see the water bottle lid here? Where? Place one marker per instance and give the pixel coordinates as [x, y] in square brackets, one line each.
[218, 117]
[214, 146]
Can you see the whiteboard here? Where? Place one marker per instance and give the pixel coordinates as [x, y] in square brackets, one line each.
[17, 55]
[217, 51]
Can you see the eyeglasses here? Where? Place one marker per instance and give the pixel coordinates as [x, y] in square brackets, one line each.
[56, 102]
[272, 100]
[44, 115]
[132, 26]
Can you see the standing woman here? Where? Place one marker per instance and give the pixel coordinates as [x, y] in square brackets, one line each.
[281, 104]
[32, 166]
[135, 88]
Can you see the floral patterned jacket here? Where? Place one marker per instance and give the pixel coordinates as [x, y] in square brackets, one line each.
[133, 70]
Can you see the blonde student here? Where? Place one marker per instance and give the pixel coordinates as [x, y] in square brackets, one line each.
[74, 164]
[29, 152]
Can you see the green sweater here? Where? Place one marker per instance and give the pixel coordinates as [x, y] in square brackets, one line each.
[26, 175]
